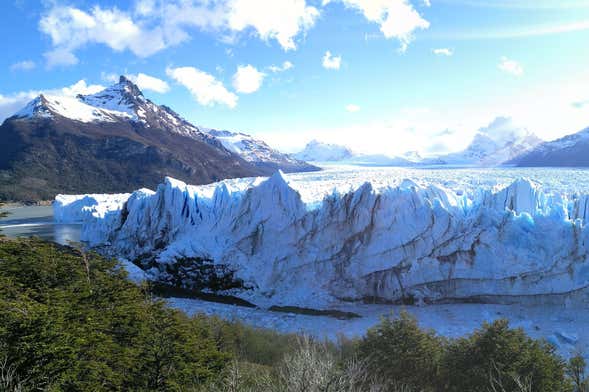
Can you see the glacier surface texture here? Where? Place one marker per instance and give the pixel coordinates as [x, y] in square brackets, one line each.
[272, 241]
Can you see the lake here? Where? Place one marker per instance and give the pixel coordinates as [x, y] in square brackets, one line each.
[28, 221]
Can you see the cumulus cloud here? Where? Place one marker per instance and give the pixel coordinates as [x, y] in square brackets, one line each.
[281, 68]
[247, 79]
[330, 61]
[70, 29]
[207, 90]
[352, 108]
[12, 103]
[511, 67]
[443, 52]
[80, 87]
[281, 20]
[150, 83]
[25, 65]
[397, 18]
[154, 25]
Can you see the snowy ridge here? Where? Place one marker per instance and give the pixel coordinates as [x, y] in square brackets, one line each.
[249, 148]
[406, 242]
[316, 151]
[46, 106]
[495, 144]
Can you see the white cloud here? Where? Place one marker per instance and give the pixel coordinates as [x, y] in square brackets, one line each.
[207, 90]
[281, 68]
[70, 29]
[247, 79]
[146, 82]
[25, 65]
[443, 52]
[81, 87]
[12, 103]
[281, 20]
[396, 18]
[330, 61]
[352, 108]
[511, 67]
[154, 25]
[426, 3]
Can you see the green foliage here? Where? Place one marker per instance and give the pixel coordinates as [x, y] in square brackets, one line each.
[576, 371]
[502, 355]
[71, 321]
[397, 349]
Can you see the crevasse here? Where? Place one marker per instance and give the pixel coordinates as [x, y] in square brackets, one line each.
[392, 244]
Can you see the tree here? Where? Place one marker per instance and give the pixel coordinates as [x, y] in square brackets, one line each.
[576, 371]
[398, 350]
[504, 357]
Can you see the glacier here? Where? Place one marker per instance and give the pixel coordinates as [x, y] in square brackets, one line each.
[275, 241]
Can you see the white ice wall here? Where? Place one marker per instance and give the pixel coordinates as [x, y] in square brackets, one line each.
[516, 243]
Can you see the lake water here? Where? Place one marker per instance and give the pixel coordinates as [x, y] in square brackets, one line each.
[28, 221]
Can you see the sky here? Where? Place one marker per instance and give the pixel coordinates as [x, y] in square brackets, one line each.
[380, 76]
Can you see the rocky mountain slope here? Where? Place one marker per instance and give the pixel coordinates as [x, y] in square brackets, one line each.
[113, 141]
[571, 151]
[258, 153]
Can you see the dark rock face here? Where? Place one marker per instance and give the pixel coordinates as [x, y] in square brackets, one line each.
[40, 157]
[45, 152]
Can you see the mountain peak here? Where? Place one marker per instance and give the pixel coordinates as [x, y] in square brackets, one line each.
[323, 152]
[124, 96]
[128, 86]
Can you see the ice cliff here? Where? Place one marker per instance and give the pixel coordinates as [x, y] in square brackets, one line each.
[401, 243]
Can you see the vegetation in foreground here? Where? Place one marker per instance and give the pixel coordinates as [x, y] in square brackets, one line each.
[70, 321]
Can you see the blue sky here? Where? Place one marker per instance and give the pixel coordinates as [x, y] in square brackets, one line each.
[382, 76]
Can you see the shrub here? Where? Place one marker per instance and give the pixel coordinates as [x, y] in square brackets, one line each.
[497, 355]
[398, 350]
[74, 322]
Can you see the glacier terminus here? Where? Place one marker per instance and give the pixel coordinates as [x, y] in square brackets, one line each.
[273, 241]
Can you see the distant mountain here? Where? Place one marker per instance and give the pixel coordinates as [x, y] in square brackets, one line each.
[498, 143]
[113, 141]
[571, 151]
[258, 153]
[316, 151]
[378, 160]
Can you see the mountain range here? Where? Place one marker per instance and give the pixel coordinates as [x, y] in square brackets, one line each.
[569, 151]
[501, 143]
[115, 141]
[316, 151]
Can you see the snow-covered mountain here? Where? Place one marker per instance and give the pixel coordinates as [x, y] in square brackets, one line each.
[116, 140]
[113, 141]
[258, 152]
[272, 242]
[316, 151]
[121, 102]
[494, 145]
[571, 151]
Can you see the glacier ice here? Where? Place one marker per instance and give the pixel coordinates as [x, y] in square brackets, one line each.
[399, 242]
